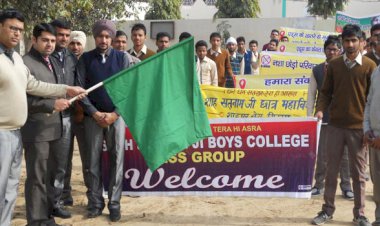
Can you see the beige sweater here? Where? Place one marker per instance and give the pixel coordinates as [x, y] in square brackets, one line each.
[15, 81]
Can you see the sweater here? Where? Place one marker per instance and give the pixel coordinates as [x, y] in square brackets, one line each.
[15, 82]
[372, 108]
[223, 65]
[145, 53]
[95, 72]
[346, 90]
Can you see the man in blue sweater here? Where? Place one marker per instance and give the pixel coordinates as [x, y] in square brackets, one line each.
[102, 122]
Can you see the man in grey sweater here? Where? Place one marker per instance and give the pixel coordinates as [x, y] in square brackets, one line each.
[16, 81]
[371, 129]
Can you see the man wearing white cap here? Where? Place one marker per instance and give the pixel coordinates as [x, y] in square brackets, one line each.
[77, 42]
[237, 62]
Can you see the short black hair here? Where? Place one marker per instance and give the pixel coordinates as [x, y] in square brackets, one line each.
[139, 26]
[254, 41]
[275, 41]
[215, 34]
[43, 27]
[283, 37]
[61, 23]
[374, 28]
[184, 35]
[351, 30]
[240, 39]
[200, 43]
[274, 30]
[364, 36]
[332, 39]
[161, 35]
[120, 33]
[11, 14]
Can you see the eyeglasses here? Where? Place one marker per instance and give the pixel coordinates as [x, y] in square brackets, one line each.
[16, 29]
[332, 50]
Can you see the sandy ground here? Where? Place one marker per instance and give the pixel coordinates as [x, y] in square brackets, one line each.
[194, 210]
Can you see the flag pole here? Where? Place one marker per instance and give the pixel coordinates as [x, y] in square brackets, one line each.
[87, 91]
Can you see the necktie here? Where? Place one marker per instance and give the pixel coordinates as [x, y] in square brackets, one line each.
[48, 63]
[325, 69]
[103, 58]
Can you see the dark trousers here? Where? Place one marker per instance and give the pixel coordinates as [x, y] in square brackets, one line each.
[114, 137]
[60, 157]
[78, 132]
[353, 139]
[39, 193]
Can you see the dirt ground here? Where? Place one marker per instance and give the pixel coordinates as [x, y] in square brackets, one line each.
[195, 210]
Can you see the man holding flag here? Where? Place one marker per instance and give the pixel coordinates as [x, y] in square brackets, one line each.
[102, 122]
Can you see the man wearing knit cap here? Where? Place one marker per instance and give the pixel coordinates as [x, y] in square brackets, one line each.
[102, 121]
[236, 60]
[77, 42]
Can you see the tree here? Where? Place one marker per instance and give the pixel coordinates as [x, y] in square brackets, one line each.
[82, 14]
[164, 10]
[325, 8]
[237, 9]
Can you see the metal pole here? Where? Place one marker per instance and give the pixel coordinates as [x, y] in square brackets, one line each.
[283, 8]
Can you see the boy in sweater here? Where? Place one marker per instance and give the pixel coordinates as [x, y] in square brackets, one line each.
[221, 58]
[344, 92]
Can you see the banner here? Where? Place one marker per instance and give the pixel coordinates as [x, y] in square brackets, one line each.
[365, 23]
[305, 36]
[247, 103]
[273, 82]
[245, 157]
[276, 63]
[301, 48]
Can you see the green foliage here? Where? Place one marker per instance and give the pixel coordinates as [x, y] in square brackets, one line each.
[164, 10]
[222, 28]
[325, 8]
[81, 13]
[237, 9]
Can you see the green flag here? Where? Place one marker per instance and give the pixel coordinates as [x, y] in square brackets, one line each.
[161, 103]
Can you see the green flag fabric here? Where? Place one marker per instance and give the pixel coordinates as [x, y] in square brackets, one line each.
[161, 103]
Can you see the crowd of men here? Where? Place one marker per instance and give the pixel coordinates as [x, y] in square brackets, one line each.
[37, 116]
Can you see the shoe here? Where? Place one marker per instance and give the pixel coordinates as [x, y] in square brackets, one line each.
[94, 212]
[61, 212]
[316, 191]
[321, 218]
[114, 215]
[361, 221]
[348, 194]
[67, 202]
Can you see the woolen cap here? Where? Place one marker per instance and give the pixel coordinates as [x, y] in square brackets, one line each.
[104, 25]
[78, 36]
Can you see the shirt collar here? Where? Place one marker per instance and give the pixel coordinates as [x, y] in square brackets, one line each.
[358, 58]
[3, 49]
[219, 51]
[108, 51]
[233, 55]
[142, 51]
